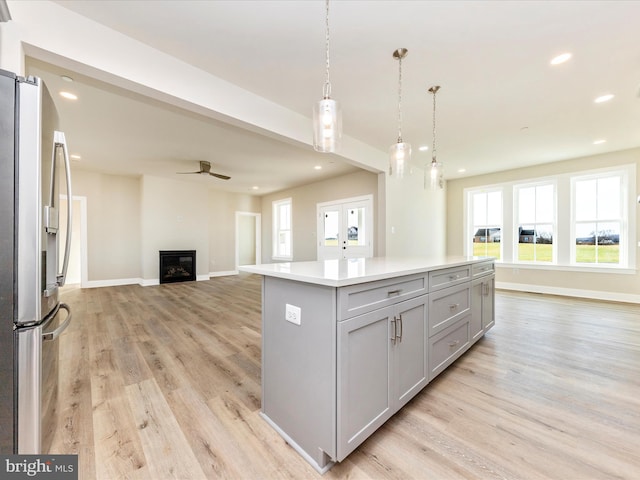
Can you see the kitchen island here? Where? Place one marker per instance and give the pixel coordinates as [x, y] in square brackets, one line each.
[346, 343]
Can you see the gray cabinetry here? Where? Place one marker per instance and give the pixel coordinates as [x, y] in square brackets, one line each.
[482, 300]
[339, 358]
[382, 364]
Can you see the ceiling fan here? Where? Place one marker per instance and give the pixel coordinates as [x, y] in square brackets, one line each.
[205, 169]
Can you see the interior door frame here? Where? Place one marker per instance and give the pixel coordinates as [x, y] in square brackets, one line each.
[258, 240]
[341, 203]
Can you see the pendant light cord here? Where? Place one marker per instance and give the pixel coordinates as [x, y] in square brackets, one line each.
[400, 99]
[327, 85]
[433, 151]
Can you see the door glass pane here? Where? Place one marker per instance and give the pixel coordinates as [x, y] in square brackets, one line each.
[355, 226]
[331, 226]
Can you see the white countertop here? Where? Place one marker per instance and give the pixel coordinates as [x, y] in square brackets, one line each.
[340, 273]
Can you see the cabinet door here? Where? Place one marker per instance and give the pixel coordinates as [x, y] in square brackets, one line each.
[488, 312]
[477, 308]
[364, 400]
[409, 352]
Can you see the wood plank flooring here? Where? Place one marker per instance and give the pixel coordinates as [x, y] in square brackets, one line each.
[163, 382]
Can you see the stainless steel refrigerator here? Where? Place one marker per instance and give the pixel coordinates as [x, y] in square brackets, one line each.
[34, 163]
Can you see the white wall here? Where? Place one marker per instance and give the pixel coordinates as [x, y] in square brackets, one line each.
[415, 217]
[304, 200]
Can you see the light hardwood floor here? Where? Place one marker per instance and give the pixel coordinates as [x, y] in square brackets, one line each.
[164, 382]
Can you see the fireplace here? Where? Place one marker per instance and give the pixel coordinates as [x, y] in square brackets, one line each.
[177, 266]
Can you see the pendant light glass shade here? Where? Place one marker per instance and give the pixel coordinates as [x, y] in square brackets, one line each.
[399, 157]
[436, 180]
[327, 125]
[327, 116]
[400, 152]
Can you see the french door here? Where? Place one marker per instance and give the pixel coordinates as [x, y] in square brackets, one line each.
[345, 228]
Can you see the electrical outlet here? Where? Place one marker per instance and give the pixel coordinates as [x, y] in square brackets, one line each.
[292, 314]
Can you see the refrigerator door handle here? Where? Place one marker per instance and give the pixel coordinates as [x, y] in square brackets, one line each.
[59, 141]
[56, 333]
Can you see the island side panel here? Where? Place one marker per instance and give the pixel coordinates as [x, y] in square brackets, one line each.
[299, 364]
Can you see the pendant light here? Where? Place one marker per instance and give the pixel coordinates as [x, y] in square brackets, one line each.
[400, 152]
[436, 167]
[327, 116]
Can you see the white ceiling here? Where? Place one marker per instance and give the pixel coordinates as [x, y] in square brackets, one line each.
[501, 105]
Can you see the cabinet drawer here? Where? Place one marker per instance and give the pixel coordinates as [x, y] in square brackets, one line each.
[447, 306]
[484, 268]
[448, 345]
[358, 299]
[439, 279]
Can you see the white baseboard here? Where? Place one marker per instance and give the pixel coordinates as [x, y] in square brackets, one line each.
[147, 282]
[223, 274]
[113, 283]
[570, 292]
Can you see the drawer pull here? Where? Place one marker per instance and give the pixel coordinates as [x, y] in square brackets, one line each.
[395, 331]
[454, 277]
[453, 344]
[454, 306]
[391, 293]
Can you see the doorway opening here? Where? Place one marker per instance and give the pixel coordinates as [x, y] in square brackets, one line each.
[248, 239]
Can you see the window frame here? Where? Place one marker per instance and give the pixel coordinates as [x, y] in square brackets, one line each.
[276, 253]
[624, 235]
[564, 222]
[517, 187]
[471, 227]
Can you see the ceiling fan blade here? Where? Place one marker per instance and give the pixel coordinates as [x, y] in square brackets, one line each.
[218, 175]
[188, 173]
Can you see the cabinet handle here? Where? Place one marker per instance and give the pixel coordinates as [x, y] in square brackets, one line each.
[395, 330]
[453, 344]
[399, 321]
[454, 306]
[394, 292]
[454, 277]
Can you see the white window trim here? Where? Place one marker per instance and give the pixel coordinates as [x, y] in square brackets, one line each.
[275, 229]
[563, 220]
[516, 221]
[468, 223]
[626, 250]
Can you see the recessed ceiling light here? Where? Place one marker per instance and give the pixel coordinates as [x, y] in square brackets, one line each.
[68, 95]
[604, 98]
[599, 141]
[75, 157]
[66, 78]
[423, 148]
[560, 58]
[462, 170]
[255, 187]
[318, 167]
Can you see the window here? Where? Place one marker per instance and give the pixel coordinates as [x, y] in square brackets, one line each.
[535, 222]
[282, 241]
[486, 225]
[576, 221]
[599, 218]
